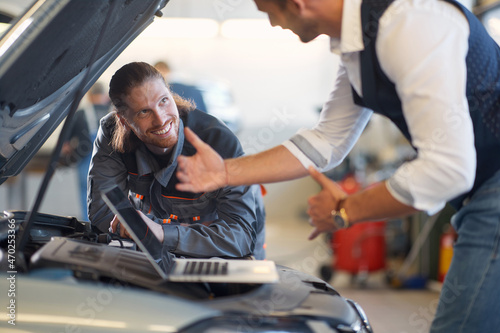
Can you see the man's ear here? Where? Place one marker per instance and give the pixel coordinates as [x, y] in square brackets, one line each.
[297, 6]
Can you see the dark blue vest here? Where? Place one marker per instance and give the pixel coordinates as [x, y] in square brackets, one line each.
[483, 88]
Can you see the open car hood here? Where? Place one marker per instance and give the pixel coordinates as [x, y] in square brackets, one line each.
[44, 58]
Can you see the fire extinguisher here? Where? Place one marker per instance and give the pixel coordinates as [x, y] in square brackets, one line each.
[447, 239]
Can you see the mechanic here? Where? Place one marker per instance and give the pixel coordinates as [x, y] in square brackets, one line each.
[137, 148]
[431, 68]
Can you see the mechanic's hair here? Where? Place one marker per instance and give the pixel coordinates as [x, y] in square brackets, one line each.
[123, 81]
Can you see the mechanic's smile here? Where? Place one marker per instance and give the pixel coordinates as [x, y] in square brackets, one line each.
[165, 130]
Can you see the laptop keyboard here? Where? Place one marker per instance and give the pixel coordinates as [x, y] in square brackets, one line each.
[205, 268]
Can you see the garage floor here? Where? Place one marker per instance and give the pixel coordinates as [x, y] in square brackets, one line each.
[389, 310]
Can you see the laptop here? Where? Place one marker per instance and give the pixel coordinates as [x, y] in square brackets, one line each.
[188, 270]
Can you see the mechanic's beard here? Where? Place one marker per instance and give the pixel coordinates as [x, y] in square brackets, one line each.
[168, 142]
[162, 143]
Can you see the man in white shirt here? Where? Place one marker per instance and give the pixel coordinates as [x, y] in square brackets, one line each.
[431, 68]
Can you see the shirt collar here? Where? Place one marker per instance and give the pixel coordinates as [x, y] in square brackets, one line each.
[351, 35]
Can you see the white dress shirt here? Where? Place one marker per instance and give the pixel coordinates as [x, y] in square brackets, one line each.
[421, 46]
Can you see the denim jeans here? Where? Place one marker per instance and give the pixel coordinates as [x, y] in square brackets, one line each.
[470, 297]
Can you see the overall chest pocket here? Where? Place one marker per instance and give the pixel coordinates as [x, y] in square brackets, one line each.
[140, 184]
[197, 209]
[139, 187]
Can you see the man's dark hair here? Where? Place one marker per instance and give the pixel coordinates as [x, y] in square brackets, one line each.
[123, 81]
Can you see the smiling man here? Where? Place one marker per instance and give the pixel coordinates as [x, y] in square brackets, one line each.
[137, 148]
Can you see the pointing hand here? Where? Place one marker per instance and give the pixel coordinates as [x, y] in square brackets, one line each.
[202, 172]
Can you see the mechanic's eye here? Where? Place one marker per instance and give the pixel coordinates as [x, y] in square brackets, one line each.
[142, 113]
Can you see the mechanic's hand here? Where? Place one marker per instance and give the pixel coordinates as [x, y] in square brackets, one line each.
[114, 227]
[322, 204]
[153, 226]
[156, 228]
[205, 171]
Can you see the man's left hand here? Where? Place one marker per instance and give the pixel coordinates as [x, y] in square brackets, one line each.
[115, 226]
[155, 228]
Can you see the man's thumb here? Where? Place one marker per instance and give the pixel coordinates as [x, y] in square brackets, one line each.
[193, 138]
[320, 178]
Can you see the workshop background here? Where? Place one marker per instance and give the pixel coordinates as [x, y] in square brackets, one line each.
[266, 85]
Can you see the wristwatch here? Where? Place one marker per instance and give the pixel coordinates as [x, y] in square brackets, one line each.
[339, 217]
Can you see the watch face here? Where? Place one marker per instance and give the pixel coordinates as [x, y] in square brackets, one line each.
[339, 221]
